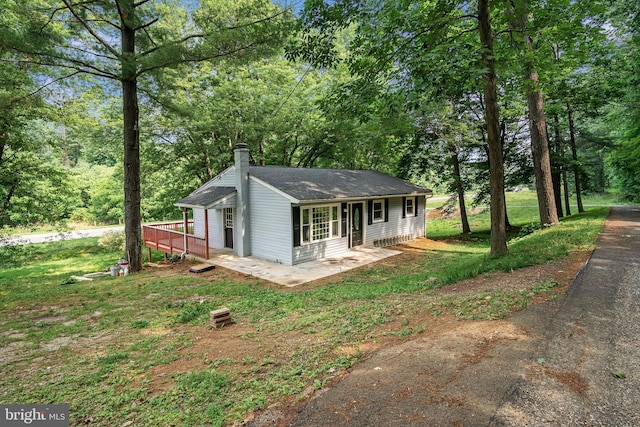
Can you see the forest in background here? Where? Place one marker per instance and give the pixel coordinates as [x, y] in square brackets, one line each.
[394, 86]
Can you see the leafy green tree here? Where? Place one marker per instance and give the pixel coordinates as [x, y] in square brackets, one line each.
[623, 115]
[390, 34]
[518, 17]
[124, 40]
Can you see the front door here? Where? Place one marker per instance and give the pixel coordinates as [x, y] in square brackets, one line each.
[356, 224]
[228, 228]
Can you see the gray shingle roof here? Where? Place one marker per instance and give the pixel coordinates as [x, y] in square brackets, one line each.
[205, 197]
[324, 184]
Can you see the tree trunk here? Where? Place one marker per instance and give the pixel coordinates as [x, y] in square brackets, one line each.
[460, 190]
[132, 217]
[496, 169]
[537, 125]
[540, 151]
[503, 133]
[574, 156]
[565, 185]
[556, 169]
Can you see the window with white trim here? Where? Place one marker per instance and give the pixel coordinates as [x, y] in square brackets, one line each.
[319, 223]
[228, 218]
[409, 207]
[378, 210]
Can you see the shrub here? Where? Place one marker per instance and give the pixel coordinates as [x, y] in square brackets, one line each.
[113, 241]
[529, 229]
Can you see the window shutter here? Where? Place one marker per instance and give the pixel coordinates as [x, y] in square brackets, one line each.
[404, 207]
[345, 213]
[415, 207]
[386, 210]
[295, 213]
[370, 212]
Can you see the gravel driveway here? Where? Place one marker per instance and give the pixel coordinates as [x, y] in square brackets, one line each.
[53, 237]
[571, 361]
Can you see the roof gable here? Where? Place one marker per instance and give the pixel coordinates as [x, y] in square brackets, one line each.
[206, 197]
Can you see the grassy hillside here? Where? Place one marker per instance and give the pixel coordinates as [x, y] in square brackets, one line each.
[138, 350]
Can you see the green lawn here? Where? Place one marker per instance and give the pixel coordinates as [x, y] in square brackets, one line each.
[137, 348]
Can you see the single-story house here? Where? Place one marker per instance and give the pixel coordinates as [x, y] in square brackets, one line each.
[292, 215]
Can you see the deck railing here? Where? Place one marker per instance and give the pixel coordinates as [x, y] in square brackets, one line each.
[169, 237]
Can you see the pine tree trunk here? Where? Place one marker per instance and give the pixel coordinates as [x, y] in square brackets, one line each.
[574, 156]
[132, 217]
[496, 172]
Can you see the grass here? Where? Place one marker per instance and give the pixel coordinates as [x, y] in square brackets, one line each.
[109, 347]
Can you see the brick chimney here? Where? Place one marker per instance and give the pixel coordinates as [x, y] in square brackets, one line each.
[242, 245]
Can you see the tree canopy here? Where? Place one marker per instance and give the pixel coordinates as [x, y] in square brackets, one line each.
[112, 110]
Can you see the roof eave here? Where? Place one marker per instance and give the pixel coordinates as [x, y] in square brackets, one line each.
[367, 197]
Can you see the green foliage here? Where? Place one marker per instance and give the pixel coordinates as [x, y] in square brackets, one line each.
[527, 229]
[125, 328]
[493, 305]
[192, 311]
[113, 241]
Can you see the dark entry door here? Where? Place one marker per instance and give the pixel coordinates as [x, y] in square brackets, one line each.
[228, 228]
[356, 224]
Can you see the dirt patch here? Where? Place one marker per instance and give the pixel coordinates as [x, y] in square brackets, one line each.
[451, 210]
[463, 349]
[232, 347]
[570, 379]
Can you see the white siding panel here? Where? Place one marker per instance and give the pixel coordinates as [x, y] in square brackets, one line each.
[397, 226]
[226, 178]
[324, 249]
[270, 224]
[198, 222]
[216, 235]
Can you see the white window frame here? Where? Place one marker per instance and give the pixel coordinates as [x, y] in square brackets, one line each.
[329, 229]
[410, 200]
[228, 218]
[374, 210]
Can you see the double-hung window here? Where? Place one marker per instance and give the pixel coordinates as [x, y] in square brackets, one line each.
[319, 223]
[409, 208]
[378, 210]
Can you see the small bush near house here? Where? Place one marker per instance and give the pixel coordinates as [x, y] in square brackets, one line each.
[113, 241]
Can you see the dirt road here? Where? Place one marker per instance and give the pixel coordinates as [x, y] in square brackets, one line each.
[53, 237]
[571, 361]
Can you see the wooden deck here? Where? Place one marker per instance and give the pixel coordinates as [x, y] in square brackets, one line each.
[170, 238]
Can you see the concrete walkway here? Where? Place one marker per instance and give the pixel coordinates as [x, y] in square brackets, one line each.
[302, 273]
[571, 361]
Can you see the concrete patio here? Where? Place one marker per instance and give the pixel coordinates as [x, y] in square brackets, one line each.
[301, 273]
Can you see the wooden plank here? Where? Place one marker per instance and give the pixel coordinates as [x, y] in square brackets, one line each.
[201, 268]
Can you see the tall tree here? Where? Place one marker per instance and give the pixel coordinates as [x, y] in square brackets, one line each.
[388, 36]
[492, 119]
[123, 40]
[518, 13]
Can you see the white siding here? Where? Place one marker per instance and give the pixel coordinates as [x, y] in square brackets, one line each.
[396, 227]
[324, 249]
[270, 224]
[198, 222]
[227, 178]
[216, 232]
